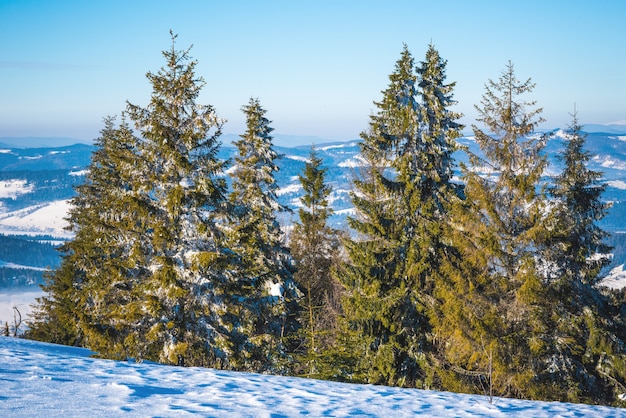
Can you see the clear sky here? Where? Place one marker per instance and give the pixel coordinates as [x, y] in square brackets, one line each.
[316, 65]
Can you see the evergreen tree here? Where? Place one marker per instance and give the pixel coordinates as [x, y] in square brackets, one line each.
[401, 203]
[184, 318]
[583, 357]
[265, 270]
[579, 247]
[89, 293]
[492, 299]
[108, 215]
[315, 248]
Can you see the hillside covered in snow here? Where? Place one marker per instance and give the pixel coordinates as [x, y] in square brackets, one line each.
[47, 380]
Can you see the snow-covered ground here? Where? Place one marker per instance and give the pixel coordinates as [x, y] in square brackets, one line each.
[616, 279]
[46, 380]
[43, 219]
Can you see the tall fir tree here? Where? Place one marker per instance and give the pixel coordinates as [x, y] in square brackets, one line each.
[583, 358]
[92, 288]
[265, 268]
[401, 203]
[493, 298]
[184, 317]
[315, 248]
[109, 214]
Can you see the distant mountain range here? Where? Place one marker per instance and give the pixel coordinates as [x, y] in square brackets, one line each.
[39, 142]
[37, 181]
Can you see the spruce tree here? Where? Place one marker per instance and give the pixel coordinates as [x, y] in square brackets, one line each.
[315, 249]
[108, 215]
[491, 300]
[583, 357]
[89, 294]
[401, 204]
[265, 270]
[579, 248]
[184, 315]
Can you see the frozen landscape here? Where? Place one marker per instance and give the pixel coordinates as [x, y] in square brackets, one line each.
[46, 380]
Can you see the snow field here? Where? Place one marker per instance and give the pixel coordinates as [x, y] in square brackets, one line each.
[47, 380]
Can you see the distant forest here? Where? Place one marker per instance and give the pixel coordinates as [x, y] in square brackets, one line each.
[31, 252]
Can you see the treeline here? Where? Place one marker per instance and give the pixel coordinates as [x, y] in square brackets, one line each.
[25, 252]
[28, 251]
[484, 284]
[12, 278]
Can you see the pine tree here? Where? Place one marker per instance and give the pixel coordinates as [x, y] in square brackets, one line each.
[577, 208]
[583, 357]
[265, 270]
[315, 249]
[90, 291]
[401, 203]
[184, 317]
[492, 298]
[108, 215]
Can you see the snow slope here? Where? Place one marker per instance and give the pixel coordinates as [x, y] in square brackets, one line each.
[616, 279]
[46, 380]
[43, 219]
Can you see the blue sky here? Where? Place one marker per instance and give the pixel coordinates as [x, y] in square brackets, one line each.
[316, 66]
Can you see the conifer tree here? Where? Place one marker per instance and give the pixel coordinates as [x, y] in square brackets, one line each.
[577, 208]
[185, 309]
[401, 203]
[89, 293]
[108, 215]
[265, 268]
[583, 357]
[315, 247]
[491, 302]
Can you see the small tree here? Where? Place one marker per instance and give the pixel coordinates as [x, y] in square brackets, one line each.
[265, 270]
[315, 246]
[17, 321]
[89, 293]
[583, 358]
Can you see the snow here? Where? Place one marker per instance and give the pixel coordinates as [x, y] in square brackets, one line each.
[276, 289]
[346, 145]
[347, 212]
[79, 173]
[19, 266]
[47, 380]
[356, 161]
[338, 194]
[45, 219]
[13, 188]
[298, 158]
[610, 162]
[292, 188]
[616, 279]
[617, 184]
